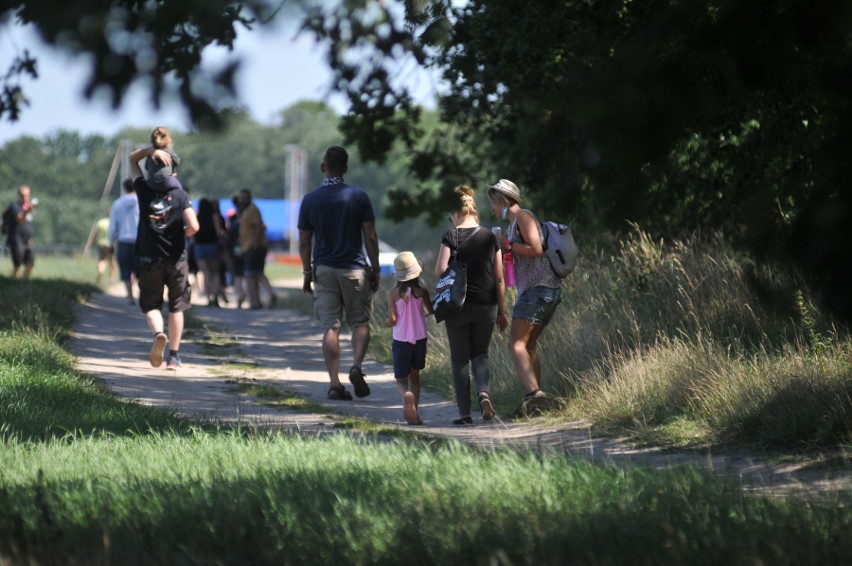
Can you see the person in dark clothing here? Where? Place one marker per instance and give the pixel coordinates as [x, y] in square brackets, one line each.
[18, 227]
[233, 254]
[336, 225]
[166, 220]
[206, 249]
[469, 330]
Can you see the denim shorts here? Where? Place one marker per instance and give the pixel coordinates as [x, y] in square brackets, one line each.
[208, 252]
[128, 261]
[537, 305]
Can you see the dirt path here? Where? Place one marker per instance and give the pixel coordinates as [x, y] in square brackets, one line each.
[282, 348]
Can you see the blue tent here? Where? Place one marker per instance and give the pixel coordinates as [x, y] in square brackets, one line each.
[275, 213]
[276, 216]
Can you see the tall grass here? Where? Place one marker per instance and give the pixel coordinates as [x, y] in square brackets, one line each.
[686, 336]
[86, 478]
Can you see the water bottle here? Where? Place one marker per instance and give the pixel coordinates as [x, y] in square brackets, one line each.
[508, 269]
[508, 264]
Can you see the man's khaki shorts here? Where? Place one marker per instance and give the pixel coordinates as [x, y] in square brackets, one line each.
[342, 290]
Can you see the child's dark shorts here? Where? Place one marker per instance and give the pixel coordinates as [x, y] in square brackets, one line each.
[408, 356]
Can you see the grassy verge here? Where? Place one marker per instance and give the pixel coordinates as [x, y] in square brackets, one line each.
[82, 268]
[86, 478]
[41, 395]
[683, 344]
[229, 499]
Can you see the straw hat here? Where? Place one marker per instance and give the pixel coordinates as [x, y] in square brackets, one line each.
[508, 188]
[406, 267]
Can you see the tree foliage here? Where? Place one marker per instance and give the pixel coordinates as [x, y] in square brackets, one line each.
[68, 172]
[677, 114]
[158, 43]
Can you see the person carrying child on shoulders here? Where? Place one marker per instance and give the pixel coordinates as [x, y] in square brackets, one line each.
[408, 304]
[162, 173]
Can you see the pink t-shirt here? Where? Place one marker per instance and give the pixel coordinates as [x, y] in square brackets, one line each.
[411, 322]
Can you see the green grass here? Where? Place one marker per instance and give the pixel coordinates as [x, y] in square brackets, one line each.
[275, 271]
[226, 499]
[86, 478]
[275, 395]
[684, 343]
[79, 267]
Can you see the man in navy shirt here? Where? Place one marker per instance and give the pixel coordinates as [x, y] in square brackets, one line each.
[336, 224]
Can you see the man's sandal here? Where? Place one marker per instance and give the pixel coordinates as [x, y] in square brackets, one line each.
[356, 378]
[339, 393]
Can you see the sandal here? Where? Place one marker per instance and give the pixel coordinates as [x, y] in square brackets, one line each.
[339, 393]
[532, 405]
[486, 407]
[356, 378]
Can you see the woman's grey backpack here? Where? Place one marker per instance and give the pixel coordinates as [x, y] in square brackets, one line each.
[559, 247]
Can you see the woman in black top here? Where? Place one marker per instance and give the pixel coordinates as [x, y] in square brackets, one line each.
[469, 331]
[206, 248]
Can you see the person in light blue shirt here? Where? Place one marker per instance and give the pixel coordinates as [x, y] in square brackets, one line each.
[123, 225]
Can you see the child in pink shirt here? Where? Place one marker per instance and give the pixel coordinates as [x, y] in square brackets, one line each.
[408, 304]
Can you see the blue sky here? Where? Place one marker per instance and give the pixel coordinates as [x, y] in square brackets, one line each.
[278, 69]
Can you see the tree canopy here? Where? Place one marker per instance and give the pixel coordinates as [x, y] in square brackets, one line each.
[677, 114]
[159, 43]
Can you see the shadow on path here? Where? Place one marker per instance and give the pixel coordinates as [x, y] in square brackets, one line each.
[282, 348]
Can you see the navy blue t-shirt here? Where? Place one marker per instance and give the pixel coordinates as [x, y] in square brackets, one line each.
[334, 213]
[160, 233]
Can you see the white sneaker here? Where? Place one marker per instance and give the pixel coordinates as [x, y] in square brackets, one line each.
[156, 357]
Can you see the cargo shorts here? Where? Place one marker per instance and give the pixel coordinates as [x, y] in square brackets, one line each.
[342, 290]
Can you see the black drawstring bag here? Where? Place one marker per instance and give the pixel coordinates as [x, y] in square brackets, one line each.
[451, 289]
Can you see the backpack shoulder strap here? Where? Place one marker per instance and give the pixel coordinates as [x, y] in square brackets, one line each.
[469, 238]
[541, 229]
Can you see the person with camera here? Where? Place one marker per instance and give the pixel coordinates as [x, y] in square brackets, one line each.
[18, 227]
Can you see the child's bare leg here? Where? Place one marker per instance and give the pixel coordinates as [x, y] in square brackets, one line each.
[414, 385]
[409, 404]
[402, 386]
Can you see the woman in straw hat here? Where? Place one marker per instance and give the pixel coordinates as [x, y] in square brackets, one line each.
[408, 304]
[469, 331]
[539, 290]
